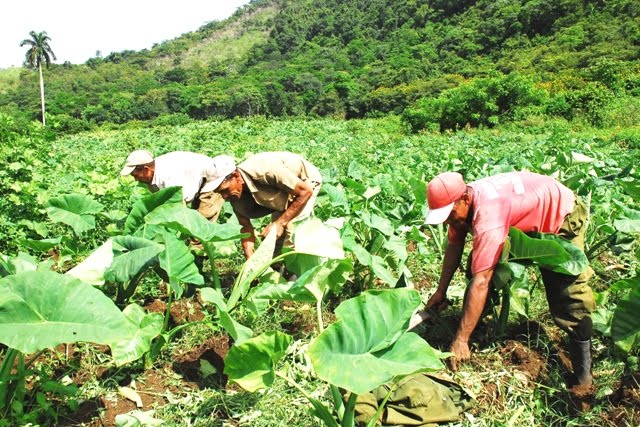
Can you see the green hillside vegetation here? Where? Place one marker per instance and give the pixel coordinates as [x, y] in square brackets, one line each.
[381, 96]
[444, 64]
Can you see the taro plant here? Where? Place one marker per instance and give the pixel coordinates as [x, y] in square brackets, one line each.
[625, 322]
[77, 211]
[318, 259]
[42, 309]
[544, 250]
[366, 347]
[620, 321]
[376, 217]
[154, 238]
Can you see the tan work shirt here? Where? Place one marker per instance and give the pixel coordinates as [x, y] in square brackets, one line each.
[270, 178]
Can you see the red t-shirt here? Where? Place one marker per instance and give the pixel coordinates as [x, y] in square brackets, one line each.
[525, 200]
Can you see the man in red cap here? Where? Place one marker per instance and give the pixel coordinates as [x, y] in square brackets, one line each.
[488, 207]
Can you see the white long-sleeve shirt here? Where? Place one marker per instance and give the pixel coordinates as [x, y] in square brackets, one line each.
[184, 169]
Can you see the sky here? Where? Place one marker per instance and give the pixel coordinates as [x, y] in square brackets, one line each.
[79, 28]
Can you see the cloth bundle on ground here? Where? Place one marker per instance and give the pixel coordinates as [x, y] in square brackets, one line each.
[418, 400]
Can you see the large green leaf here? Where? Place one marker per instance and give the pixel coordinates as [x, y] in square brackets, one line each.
[75, 210]
[547, 250]
[191, 222]
[131, 255]
[92, 269]
[369, 345]
[313, 237]
[40, 245]
[310, 286]
[252, 363]
[379, 223]
[41, 309]
[290, 291]
[525, 248]
[135, 220]
[177, 261]
[146, 327]
[625, 325]
[260, 260]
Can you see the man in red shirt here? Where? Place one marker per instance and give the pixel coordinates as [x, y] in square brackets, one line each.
[488, 207]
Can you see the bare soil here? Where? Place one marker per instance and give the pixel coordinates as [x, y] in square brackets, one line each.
[625, 402]
[183, 310]
[524, 359]
[184, 372]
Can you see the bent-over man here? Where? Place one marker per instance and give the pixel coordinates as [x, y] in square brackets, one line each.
[487, 208]
[281, 184]
[178, 168]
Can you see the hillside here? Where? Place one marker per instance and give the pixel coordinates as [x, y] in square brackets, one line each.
[355, 59]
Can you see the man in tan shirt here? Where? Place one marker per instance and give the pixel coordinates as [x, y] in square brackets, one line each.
[282, 184]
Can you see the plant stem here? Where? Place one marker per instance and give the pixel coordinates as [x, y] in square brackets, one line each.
[337, 401]
[167, 313]
[593, 248]
[322, 411]
[372, 422]
[5, 375]
[319, 314]
[349, 411]
[209, 249]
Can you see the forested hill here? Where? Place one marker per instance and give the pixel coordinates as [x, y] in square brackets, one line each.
[358, 58]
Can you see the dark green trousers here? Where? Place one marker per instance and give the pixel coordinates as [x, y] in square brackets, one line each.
[570, 298]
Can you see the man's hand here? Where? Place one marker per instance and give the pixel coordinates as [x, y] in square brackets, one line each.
[461, 353]
[267, 229]
[438, 301]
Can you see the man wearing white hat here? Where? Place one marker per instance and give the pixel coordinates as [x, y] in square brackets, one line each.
[282, 184]
[178, 168]
[488, 207]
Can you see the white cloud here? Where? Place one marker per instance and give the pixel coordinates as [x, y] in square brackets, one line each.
[80, 28]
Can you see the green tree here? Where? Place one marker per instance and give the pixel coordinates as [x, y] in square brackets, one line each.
[39, 52]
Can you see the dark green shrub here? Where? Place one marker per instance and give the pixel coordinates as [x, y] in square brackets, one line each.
[175, 119]
[479, 102]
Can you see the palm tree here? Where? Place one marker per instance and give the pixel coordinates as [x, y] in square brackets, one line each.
[39, 52]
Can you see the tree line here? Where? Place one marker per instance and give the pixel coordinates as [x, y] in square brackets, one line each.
[443, 64]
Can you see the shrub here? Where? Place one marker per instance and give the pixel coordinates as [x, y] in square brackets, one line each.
[480, 102]
[175, 119]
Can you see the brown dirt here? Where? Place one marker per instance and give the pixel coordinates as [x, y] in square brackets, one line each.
[154, 384]
[524, 359]
[625, 402]
[151, 387]
[214, 350]
[302, 317]
[183, 310]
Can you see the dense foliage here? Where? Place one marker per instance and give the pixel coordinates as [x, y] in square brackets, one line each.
[62, 198]
[454, 63]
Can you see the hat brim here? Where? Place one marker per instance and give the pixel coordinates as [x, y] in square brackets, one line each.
[438, 216]
[127, 170]
[216, 183]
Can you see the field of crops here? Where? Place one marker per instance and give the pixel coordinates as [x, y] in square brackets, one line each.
[157, 332]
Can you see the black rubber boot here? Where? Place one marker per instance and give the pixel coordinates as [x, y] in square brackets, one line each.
[580, 354]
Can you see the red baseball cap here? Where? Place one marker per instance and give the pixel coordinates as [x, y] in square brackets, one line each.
[442, 193]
